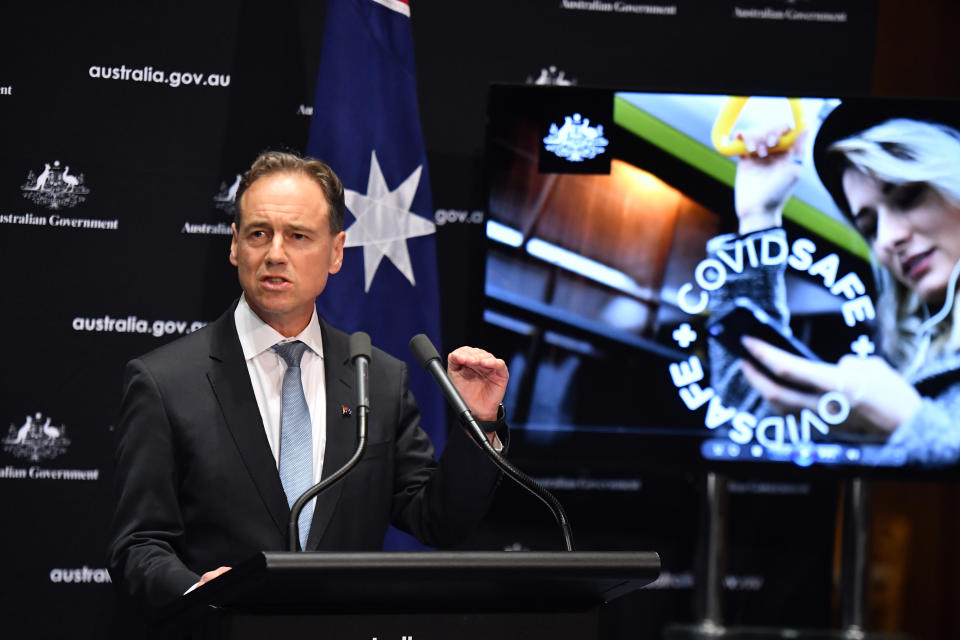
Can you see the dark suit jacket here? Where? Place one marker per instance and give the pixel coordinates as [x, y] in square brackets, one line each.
[197, 485]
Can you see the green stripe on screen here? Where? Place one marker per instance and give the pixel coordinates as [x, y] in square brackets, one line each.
[675, 142]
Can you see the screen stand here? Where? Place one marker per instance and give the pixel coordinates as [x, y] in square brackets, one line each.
[712, 557]
[856, 546]
[711, 566]
[711, 561]
[854, 569]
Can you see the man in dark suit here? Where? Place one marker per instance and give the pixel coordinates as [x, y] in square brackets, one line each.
[200, 436]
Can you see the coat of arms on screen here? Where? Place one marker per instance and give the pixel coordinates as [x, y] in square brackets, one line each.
[226, 198]
[55, 187]
[552, 76]
[575, 139]
[37, 438]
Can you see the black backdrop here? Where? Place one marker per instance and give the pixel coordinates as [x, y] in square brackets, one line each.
[120, 244]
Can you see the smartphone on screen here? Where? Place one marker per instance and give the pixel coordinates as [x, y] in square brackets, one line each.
[745, 318]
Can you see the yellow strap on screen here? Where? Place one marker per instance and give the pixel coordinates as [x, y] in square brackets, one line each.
[720, 135]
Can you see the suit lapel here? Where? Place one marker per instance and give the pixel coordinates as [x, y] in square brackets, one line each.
[231, 384]
[341, 429]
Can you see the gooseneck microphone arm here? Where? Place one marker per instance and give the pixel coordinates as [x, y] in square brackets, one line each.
[360, 355]
[428, 357]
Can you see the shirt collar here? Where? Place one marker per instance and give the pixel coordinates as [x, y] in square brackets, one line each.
[256, 336]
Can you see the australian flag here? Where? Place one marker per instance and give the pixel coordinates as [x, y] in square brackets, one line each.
[366, 126]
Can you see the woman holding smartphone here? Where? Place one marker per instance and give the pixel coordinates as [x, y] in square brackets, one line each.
[894, 171]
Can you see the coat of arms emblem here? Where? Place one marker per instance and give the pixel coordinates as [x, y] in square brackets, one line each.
[36, 439]
[55, 187]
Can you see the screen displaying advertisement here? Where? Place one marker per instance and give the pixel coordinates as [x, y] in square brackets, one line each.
[689, 279]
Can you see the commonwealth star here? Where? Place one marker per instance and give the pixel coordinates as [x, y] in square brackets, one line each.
[384, 222]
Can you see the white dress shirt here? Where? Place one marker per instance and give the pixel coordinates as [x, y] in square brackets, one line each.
[266, 369]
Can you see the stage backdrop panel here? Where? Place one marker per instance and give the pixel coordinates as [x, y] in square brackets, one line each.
[124, 128]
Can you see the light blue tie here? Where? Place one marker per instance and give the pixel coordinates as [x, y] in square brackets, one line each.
[296, 435]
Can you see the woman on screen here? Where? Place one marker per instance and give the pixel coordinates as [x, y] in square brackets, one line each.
[895, 173]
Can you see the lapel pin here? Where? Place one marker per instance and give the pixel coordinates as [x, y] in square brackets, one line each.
[345, 410]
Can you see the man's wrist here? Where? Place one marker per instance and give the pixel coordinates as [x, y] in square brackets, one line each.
[492, 426]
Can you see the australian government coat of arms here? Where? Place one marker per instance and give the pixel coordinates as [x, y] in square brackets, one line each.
[36, 439]
[55, 187]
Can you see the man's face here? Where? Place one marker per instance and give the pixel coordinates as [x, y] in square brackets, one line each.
[283, 249]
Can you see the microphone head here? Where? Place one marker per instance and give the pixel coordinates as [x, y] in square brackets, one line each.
[359, 345]
[423, 350]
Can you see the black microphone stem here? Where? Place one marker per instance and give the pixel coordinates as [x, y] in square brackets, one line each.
[360, 355]
[427, 355]
[527, 483]
[309, 494]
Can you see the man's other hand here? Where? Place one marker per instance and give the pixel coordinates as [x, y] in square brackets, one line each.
[210, 575]
[480, 378]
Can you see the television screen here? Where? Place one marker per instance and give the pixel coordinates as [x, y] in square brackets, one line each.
[690, 279]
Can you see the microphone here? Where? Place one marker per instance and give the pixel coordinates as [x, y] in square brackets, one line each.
[426, 354]
[429, 359]
[360, 355]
